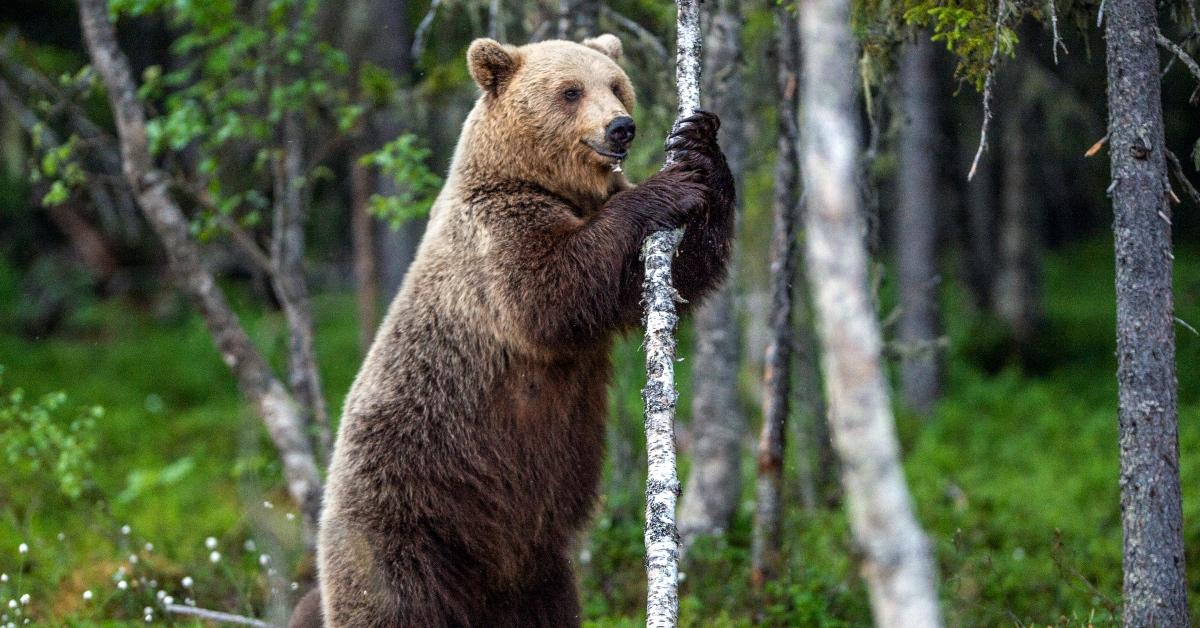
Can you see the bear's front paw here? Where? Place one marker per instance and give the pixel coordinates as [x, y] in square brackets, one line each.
[694, 147]
[671, 197]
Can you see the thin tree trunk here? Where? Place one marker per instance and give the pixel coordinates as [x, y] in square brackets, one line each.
[714, 487]
[916, 229]
[896, 558]
[662, 481]
[765, 550]
[362, 231]
[980, 226]
[1155, 590]
[151, 187]
[1016, 290]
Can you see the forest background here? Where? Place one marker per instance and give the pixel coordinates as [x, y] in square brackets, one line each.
[132, 468]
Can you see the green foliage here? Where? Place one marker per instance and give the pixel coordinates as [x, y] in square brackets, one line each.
[44, 444]
[404, 161]
[249, 68]
[967, 30]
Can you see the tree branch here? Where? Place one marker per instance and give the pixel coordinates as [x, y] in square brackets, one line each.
[988, 89]
[636, 29]
[217, 616]
[1180, 54]
[151, 188]
[421, 36]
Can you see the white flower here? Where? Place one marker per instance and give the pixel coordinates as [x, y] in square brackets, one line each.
[122, 585]
[148, 618]
[147, 611]
[267, 504]
[290, 516]
[161, 594]
[249, 545]
[62, 536]
[3, 577]
[125, 529]
[22, 549]
[87, 595]
[167, 601]
[210, 543]
[214, 557]
[295, 586]
[263, 559]
[133, 559]
[149, 547]
[12, 603]
[186, 582]
[189, 601]
[25, 599]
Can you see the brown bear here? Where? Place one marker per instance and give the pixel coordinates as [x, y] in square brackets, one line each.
[468, 456]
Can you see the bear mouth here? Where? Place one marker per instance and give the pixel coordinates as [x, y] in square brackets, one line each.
[605, 152]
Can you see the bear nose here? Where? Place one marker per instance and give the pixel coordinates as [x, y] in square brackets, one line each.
[620, 131]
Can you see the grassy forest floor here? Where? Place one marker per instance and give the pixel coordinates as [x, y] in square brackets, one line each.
[1015, 477]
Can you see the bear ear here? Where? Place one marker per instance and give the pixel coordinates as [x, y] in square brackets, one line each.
[607, 44]
[492, 65]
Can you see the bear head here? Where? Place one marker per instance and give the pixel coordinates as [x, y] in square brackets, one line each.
[554, 113]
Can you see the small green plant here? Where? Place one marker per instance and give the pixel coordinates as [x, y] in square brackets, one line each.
[45, 446]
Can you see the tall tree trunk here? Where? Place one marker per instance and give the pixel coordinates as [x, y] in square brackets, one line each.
[151, 186]
[662, 481]
[291, 287]
[765, 550]
[980, 227]
[895, 553]
[714, 486]
[916, 229]
[1155, 591]
[1016, 291]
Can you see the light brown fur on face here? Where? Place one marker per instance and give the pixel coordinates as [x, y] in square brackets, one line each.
[523, 127]
[469, 452]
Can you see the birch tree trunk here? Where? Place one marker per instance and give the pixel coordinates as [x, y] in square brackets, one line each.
[916, 229]
[714, 486]
[895, 553]
[765, 550]
[150, 186]
[662, 481]
[1155, 589]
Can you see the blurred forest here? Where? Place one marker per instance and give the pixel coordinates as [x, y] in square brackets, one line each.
[300, 143]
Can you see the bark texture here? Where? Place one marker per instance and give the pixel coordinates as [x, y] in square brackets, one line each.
[896, 558]
[150, 186]
[1155, 588]
[916, 229]
[765, 549]
[662, 481]
[714, 485]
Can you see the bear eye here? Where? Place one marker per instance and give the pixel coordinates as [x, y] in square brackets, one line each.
[572, 94]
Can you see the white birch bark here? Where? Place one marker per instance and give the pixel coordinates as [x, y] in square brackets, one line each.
[662, 480]
[896, 561]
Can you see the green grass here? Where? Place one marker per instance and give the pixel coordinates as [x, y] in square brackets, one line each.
[1014, 477]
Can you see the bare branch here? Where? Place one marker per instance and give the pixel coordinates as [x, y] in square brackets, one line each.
[1058, 42]
[989, 84]
[639, 31]
[1180, 54]
[421, 36]
[1177, 170]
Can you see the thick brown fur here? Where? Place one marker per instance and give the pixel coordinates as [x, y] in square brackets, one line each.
[468, 457]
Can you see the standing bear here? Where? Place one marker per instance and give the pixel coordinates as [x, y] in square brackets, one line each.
[469, 453]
